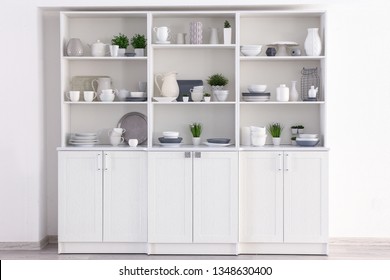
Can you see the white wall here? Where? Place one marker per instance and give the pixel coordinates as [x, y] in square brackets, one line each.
[358, 98]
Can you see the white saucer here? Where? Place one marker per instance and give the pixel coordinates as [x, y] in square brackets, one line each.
[163, 42]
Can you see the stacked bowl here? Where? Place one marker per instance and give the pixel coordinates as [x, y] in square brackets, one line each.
[258, 136]
[251, 50]
[170, 139]
[307, 140]
[256, 94]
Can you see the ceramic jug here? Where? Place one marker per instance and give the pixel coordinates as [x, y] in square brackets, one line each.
[169, 87]
[98, 49]
[313, 92]
[101, 83]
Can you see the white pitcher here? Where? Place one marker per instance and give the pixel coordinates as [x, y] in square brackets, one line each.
[169, 87]
[101, 83]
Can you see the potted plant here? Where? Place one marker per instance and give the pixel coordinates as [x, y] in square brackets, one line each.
[207, 97]
[186, 97]
[138, 42]
[217, 81]
[275, 129]
[227, 33]
[294, 130]
[293, 141]
[300, 129]
[196, 130]
[122, 41]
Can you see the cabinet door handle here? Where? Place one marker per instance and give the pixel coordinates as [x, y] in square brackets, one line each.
[99, 161]
[287, 162]
[198, 154]
[106, 162]
[280, 167]
[187, 154]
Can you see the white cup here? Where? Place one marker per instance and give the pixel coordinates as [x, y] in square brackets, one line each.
[180, 38]
[162, 33]
[109, 91]
[89, 95]
[123, 94]
[133, 142]
[73, 95]
[116, 140]
[114, 50]
[117, 131]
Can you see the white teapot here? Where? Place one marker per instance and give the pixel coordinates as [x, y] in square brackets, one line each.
[98, 48]
[313, 92]
[169, 87]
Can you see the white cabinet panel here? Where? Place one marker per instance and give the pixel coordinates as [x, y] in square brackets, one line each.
[170, 198]
[80, 196]
[261, 197]
[305, 196]
[215, 197]
[125, 197]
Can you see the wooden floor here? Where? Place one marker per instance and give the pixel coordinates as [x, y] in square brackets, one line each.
[337, 251]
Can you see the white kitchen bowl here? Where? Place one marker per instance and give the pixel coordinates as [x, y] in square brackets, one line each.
[221, 95]
[257, 88]
[308, 136]
[170, 134]
[107, 97]
[137, 94]
[249, 52]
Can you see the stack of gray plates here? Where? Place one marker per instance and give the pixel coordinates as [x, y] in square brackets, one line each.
[256, 96]
[84, 139]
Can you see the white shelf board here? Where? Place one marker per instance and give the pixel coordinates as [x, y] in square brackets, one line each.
[283, 103]
[202, 147]
[283, 148]
[280, 58]
[194, 103]
[193, 46]
[89, 58]
[106, 103]
[102, 147]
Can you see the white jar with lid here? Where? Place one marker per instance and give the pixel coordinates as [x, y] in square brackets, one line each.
[282, 93]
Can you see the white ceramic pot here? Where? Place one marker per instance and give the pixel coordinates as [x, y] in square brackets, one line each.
[282, 93]
[227, 36]
[258, 141]
[121, 51]
[294, 96]
[74, 47]
[207, 98]
[139, 52]
[196, 141]
[276, 141]
[312, 44]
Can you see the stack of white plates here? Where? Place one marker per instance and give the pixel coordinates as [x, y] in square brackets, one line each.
[84, 139]
[256, 96]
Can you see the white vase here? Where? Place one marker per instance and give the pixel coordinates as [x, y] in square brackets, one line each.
[74, 47]
[282, 93]
[294, 93]
[214, 36]
[313, 44]
[139, 52]
[227, 36]
[276, 141]
[196, 141]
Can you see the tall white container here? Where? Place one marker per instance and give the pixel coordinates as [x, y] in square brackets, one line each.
[294, 96]
[313, 45]
[282, 93]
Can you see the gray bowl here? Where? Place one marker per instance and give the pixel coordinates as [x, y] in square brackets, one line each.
[306, 143]
[218, 140]
[170, 140]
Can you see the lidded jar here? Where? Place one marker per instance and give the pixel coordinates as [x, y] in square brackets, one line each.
[74, 47]
[282, 93]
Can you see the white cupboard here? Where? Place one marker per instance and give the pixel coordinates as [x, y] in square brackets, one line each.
[102, 198]
[193, 197]
[283, 199]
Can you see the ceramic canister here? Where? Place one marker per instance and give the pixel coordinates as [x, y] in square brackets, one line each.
[282, 93]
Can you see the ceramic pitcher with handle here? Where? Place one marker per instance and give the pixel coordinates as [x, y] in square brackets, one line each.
[169, 86]
[101, 83]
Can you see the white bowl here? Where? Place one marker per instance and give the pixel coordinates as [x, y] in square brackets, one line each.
[251, 47]
[170, 134]
[258, 141]
[107, 97]
[248, 52]
[257, 88]
[221, 95]
[308, 136]
[137, 94]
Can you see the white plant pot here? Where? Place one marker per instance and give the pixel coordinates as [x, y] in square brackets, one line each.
[276, 141]
[196, 141]
[139, 52]
[186, 98]
[121, 52]
[227, 36]
[294, 130]
[207, 98]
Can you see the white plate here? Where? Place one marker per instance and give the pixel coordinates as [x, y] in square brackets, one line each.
[171, 145]
[86, 134]
[164, 99]
[287, 43]
[83, 145]
[163, 42]
[83, 141]
[84, 137]
[216, 144]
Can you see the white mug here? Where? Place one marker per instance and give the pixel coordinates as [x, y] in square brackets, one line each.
[133, 142]
[73, 95]
[162, 33]
[117, 131]
[114, 50]
[108, 91]
[89, 95]
[116, 140]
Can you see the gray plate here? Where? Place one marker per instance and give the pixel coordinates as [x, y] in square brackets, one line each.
[256, 94]
[136, 126]
[170, 140]
[218, 140]
[304, 143]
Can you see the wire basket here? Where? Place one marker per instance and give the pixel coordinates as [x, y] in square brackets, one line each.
[310, 77]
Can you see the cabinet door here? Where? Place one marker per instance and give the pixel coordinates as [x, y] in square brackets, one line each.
[170, 197]
[80, 196]
[261, 197]
[305, 196]
[125, 197]
[215, 197]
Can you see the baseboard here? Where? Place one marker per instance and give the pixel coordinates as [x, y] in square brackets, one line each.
[372, 241]
[53, 239]
[25, 245]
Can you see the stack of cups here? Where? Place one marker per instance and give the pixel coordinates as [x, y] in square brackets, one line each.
[116, 136]
[197, 93]
[258, 136]
[196, 30]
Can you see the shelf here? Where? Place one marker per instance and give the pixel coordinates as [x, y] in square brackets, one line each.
[103, 147]
[193, 46]
[283, 103]
[281, 58]
[118, 58]
[105, 103]
[202, 147]
[282, 148]
[194, 103]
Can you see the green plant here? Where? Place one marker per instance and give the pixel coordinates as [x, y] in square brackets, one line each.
[206, 94]
[217, 80]
[185, 94]
[196, 129]
[300, 126]
[121, 40]
[226, 24]
[293, 138]
[138, 41]
[275, 129]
